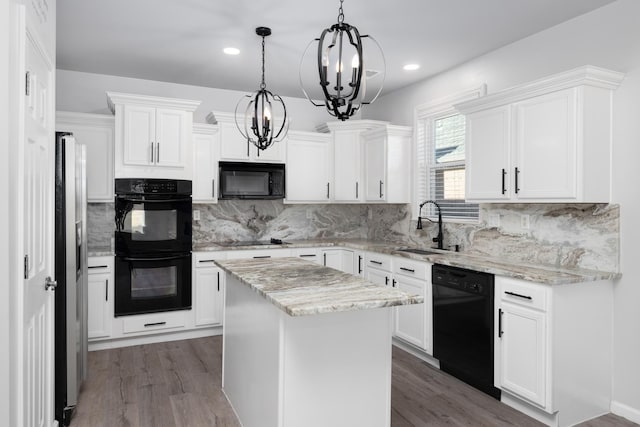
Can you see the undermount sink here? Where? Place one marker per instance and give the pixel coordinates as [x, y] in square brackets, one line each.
[419, 251]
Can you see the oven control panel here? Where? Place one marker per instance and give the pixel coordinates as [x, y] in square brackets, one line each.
[152, 186]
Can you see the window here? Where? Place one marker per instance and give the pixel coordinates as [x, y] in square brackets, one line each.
[440, 132]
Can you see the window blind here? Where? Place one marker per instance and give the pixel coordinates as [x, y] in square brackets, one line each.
[440, 176]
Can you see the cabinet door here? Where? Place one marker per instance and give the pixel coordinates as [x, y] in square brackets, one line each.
[523, 352]
[378, 277]
[347, 170]
[208, 299]
[375, 167]
[488, 175]
[340, 259]
[98, 314]
[233, 146]
[171, 137]
[308, 170]
[139, 135]
[96, 132]
[274, 154]
[546, 147]
[410, 320]
[205, 166]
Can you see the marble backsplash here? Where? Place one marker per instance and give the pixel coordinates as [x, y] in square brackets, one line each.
[561, 235]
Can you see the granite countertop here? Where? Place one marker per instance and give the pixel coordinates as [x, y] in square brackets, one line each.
[536, 273]
[300, 287]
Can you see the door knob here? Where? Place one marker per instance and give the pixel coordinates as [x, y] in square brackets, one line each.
[50, 284]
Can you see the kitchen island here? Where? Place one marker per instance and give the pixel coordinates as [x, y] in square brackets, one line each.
[307, 345]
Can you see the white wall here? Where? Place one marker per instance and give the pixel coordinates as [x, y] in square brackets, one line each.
[608, 37]
[85, 93]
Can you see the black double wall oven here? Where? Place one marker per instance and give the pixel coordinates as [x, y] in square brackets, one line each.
[153, 245]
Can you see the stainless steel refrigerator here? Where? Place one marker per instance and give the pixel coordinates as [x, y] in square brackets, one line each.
[71, 275]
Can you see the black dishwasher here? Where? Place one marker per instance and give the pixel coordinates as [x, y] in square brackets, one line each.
[463, 325]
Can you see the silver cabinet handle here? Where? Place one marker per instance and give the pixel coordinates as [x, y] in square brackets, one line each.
[356, 189]
[213, 188]
[152, 151]
[157, 152]
[327, 190]
[106, 290]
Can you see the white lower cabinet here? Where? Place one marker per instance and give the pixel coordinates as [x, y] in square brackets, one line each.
[208, 296]
[310, 254]
[99, 297]
[145, 323]
[413, 323]
[340, 259]
[551, 348]
[208, 289]
[524, 367]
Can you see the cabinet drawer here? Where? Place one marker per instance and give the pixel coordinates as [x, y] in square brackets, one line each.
[381, 262]
[99, 264]
[419, 270]
[153, 322]
[259, 253]
[205, 259]
[523, 293]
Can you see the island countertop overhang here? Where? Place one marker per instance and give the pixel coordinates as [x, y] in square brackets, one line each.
[300, 287]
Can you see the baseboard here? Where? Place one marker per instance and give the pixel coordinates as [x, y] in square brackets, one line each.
[155, 338]
[420, 354]
[625, 411]
[530, 410]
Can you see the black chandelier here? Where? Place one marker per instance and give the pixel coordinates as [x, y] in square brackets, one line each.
[340, 47]
[264, 119]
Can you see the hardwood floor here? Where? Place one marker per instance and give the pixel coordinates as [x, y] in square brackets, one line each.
[176, 384]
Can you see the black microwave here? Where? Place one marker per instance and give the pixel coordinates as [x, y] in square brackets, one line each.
[251, 180]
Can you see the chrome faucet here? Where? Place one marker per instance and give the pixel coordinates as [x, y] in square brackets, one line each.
[439, 239]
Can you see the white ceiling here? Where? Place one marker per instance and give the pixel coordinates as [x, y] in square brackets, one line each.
[181, 41]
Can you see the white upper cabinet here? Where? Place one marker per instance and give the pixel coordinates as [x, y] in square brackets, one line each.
[488, 155]
[95, 131]
[205, 163]
[348, 176]
[152, 136]
[387, 164]
[235, 148]
[546, 141]
[308, 173]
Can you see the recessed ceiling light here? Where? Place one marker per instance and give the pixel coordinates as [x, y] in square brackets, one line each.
[231, 51]
[411, 67]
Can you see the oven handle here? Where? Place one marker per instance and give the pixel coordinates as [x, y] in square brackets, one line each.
[155, 259]
[142, 199]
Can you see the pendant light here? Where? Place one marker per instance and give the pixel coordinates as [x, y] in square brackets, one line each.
[263, 120]
[344, 69]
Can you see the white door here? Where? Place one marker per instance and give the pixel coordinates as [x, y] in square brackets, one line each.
[488, 139]
[308, 169]
[546, 146]
[346, 176]
[139, 135]
[171, 137]
[208, 301]
[410, 320]
[35, 364]
[523, 352]
[375, 168]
